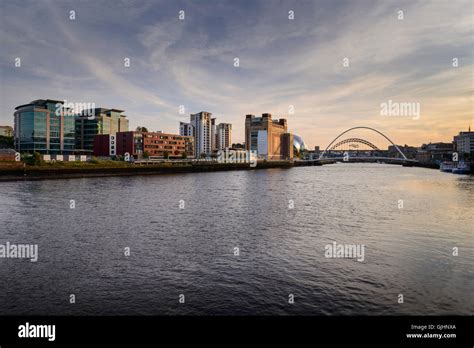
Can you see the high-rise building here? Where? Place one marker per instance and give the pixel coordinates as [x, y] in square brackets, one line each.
[269, 138]
[464, 142]
[213, 135]
[201, 123]
[186, 129]
[223, 136]
[102, 121]
[44, 126]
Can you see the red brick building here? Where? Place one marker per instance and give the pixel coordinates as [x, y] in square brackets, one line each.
[160, 144]
[102, 145]
[130, 142]
[139, 144]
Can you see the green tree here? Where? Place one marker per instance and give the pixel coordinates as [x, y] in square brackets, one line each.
[146, 154]
[37, 159]
[142, 129]
[184, 155]
[6, 142]
[166, 154]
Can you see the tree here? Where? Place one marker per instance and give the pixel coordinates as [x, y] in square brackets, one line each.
[166, 154]
[184, 155]
[37, 159]
[6, 142]
[146, 154]
[142, 129]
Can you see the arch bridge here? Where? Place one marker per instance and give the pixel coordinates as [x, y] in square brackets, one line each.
[336, 145]
[353, 141]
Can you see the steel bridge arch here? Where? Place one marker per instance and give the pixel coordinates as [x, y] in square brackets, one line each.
[354, 140]
[362, 127]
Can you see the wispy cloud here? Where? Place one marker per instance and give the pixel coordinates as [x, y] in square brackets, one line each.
[282, 62]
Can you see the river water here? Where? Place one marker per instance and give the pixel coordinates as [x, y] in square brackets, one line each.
[182, 231]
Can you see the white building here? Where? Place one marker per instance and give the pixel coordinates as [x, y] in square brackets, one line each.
[201, 123]
[186, 129]
[213, 135]
[464, 142]
[223, 136]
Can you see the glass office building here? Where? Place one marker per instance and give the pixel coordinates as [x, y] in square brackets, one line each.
[44, 126]
[102, 121]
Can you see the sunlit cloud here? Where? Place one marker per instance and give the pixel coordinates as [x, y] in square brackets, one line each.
[282, 62]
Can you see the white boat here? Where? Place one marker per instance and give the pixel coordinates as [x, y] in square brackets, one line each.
[461, 168]
[446, 167]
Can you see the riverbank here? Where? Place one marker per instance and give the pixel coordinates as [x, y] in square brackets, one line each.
[12, 171]
[20, 171]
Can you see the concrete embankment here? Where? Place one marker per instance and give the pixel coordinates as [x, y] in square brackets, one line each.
[56, 171]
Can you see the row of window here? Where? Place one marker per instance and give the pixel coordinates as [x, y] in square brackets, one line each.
[165, 147]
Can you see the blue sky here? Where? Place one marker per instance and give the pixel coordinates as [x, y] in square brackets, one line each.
[282, 62]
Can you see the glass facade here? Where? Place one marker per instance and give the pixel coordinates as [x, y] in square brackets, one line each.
[47, 127]
[105, 121]
[86, 130]
[69, 134]
[253, 140]
[41, 126]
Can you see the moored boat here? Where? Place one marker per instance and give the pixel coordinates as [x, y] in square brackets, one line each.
[461, 168]
[446, 167]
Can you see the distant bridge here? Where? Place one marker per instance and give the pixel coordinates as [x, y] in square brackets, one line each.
[334, 149]
[353, 141]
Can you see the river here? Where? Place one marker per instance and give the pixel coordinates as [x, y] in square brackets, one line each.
[242, 243]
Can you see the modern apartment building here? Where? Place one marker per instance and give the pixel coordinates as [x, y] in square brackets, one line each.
[44, 126]
[130, 142]
[223, 136]
[464, 142]
[137, 144]
[186, 129]
[102, 121]
[201, 123]
[168, 145]
[270, 138]
[213, 135]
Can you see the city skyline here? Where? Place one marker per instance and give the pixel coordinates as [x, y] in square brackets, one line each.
[282, 63]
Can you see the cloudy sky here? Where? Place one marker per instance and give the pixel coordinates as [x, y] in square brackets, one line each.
[282, 62]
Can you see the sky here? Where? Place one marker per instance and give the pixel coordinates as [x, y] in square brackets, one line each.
[284, 65]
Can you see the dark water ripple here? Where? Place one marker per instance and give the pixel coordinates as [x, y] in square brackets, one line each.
[190, 251]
